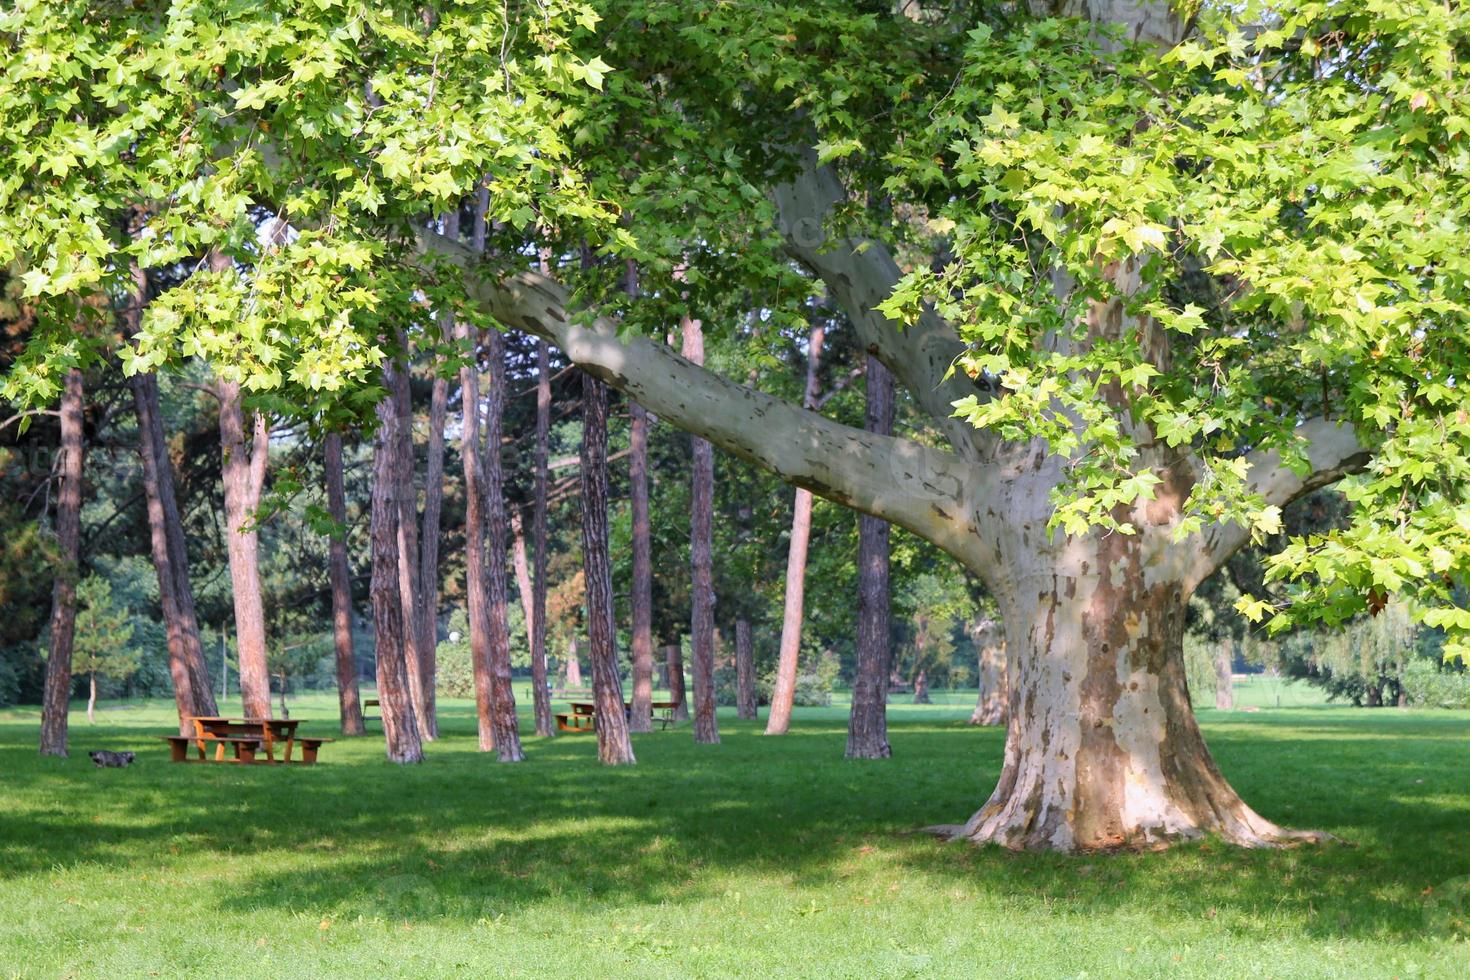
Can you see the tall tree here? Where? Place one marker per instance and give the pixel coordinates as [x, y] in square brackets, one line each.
[502, 695]
[613, 745]
[778, 721]
[428, 639]
[745, 698]
[640, 717]
[990, 705]
[540, 694]
[243, 474]
[476, 588]
[64, 590]
[867, 724]
[410, 584]
[674, 668]
[400, 726]
[349, 702]
[1225, 676]
[701, 559]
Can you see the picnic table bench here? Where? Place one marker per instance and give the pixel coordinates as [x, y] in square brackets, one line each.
[583, 716]
[246, 737]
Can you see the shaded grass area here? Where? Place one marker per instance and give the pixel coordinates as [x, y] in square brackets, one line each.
[757, 857]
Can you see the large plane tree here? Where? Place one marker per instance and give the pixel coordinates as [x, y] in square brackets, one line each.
[1151, 275]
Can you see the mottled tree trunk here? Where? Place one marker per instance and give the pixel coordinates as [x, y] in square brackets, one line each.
[193, 693]
[1225, 677]
[520, 563]
[921, 687]
[867, 724]
[502, 695]
[92, 698]
[674, 666]
[243, 474]
[613, 744]
[573, 672]
[476, 588]
[990, 706]
[640, 718]
[788, 661]
[64, 589]
[400, 726]
[745, 699]
[428, 640]
[540, 696]
[701, 561]
[409, 581]
[349, 702]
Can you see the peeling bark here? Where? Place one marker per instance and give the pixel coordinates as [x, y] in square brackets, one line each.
[502, 695]
[1224, 678]
[349, 702]
[640, 715]
[701, 561]
[990, 706]
[474, 536]
[243, 475]
[674, 667]
[406, 498]
[867, 723]
[57, 696]
[540, 696]
[613, 744]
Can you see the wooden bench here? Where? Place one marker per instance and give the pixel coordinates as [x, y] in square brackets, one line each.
[245, 747]
[576, 721]
[309, 747]
[372, 703]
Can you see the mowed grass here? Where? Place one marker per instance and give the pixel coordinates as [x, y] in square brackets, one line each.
[758, 857]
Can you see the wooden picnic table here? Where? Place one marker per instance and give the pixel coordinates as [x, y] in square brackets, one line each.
[245, 736]
[583, 716]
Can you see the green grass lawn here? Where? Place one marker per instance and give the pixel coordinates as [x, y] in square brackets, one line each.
[757, 857]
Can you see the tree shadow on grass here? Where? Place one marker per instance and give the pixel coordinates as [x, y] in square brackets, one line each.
[464, 839]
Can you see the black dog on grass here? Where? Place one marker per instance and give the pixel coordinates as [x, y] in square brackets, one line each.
[111, 760]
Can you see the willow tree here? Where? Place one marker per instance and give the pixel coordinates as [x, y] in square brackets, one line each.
[1150, 279]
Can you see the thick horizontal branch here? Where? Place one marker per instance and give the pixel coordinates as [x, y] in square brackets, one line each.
[900, 481]
[1332, 450]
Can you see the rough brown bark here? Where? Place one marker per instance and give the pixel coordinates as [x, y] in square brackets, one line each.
[474, 537]
[502, 695]
[573, 671]
[540, 695]
[243, 474]
[745, 699]
[400, 726]
[409, 583]
[990, 705]
[64, 588]
[428, 640]
[349, 702]
[613, 745]
[193, 693]
[640, 718]
[701, 560]
[778, 720]
[867, 723]
[1224, 678]
[674, 667]
[520, 563]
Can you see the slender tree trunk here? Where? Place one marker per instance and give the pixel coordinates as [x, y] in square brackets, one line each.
[1225, 677]
[92, 698]
[476, 588]
[674, 664]
[64, 588]
[282, 679]
[788, 662]
[193, 692]
[921, 687]
[701, 561]
[540, 695]
[613, 744]
[409, 581]
[745, 699]
[574, 666]
[400, 726]
[243, 474]
[520, 562]
[867, 724]
[349, 701]
[990, 706]
[640, 718]
[428, 640]
[502, 695]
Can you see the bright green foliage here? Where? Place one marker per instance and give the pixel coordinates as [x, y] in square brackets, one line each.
[104, 633]
[1196, 249]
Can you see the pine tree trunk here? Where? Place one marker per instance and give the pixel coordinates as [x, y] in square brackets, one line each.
[476, 588]
[867, 724]
[745, 699]
[540, 695]
[400, 726]
[502, 695]
[1224, 678]
[68, 553]
[674, 665]
[613, 744]
[409, 581]
[701, 561]
[788, 662]
[193, 692]
[429, 547]
[243, 474]
[640, 718]
[990, 706]
[349, 701]
[520, 562]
